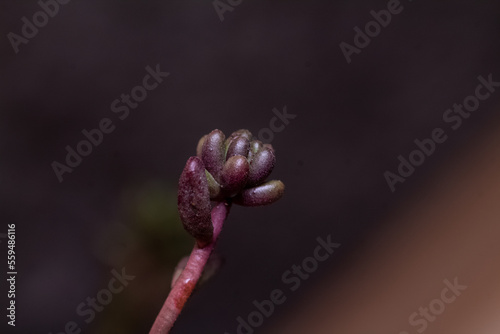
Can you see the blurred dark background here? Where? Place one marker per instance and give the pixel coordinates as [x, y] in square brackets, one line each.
[117, 209]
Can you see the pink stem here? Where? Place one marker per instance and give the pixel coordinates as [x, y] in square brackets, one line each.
[186, 282]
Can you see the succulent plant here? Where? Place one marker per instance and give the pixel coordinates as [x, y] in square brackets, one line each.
[224, 171]
[232, 170]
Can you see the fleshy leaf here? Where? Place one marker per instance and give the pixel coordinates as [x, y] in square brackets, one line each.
[193, 201]
[262, 165]
[266, 193]
[238, 145]
[241, 133]
[234, 175]
[213, 153]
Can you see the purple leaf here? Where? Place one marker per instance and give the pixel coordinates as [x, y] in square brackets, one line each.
[193, 200]
[266, 193]
[238, 145]
[262, 165]
[213, 153]
[234, 175]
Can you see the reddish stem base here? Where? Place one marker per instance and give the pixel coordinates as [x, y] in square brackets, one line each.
[186, 282]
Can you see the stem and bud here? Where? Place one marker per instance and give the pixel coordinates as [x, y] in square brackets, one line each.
[224, 171]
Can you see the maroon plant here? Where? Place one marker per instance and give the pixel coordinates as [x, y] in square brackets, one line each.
[225, 171]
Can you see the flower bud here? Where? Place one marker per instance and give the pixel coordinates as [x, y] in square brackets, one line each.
[266, 193]
[213, 153]
[193, 201]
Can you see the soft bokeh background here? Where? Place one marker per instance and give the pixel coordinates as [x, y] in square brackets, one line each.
[118, 208]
